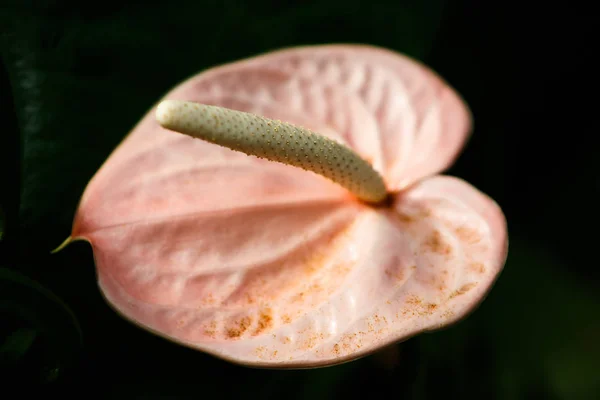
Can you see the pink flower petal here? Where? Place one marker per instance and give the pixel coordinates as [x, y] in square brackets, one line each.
[268, 265]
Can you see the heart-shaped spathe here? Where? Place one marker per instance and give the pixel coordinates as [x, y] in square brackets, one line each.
[265, 264]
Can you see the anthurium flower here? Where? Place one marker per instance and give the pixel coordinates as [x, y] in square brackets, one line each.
[307, 226]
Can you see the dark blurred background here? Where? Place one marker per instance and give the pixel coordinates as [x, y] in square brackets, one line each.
[525, 69]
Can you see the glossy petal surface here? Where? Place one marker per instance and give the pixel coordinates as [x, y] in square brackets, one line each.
[265, 264]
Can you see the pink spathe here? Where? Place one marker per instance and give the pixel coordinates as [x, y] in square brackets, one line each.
[265, 264]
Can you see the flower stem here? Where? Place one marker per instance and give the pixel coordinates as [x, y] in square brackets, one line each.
[275, 141]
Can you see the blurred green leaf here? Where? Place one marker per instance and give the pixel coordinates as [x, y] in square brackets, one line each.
[16, 345]
[10, 158]
[34, 315]
[543, 321]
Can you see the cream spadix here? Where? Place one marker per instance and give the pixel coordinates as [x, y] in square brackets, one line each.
[275, 141]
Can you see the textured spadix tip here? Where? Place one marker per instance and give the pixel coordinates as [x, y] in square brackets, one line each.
[276, 141]
[167, 112]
